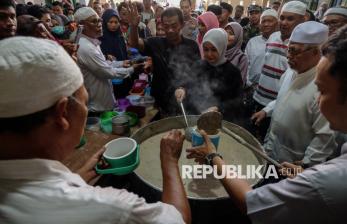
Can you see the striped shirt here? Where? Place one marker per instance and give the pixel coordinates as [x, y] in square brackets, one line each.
[274, 66]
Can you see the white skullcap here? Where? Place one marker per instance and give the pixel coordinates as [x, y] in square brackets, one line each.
[84, 13]
[269, 12]
[34, 75]
[336, 11]
[310, 32]
[296, 7]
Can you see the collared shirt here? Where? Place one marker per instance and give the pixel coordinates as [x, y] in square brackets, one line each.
[285, 82]
[255, 51]
[298, 130]
[190, 29]
[318, 195]
[275, 65]
[98, 74]
[45, 191]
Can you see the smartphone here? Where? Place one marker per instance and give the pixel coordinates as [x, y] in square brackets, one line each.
[139, 60]
[78, 34]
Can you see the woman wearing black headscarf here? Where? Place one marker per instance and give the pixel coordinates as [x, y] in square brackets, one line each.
[113, 46]
[112, 41]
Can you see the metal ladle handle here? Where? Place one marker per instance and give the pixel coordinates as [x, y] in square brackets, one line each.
[184, 113]
[251, 147]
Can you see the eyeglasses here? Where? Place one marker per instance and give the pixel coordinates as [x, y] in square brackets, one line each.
[74, 99]
[95, 21]
[295, 52]
[335, 23]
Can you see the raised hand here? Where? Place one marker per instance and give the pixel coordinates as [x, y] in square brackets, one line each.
[171, 146]
[134, 17]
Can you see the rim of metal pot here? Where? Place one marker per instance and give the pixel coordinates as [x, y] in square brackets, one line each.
[180, 121]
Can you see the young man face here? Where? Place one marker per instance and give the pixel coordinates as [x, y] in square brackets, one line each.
[238, 12]
[57, 10]
[8, 22]
[288, 21]
[46, 19]
[186, 8]
[331, 104]
[254, 17]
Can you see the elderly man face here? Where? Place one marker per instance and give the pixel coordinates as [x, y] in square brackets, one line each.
[302, 57]
[334, 22]
[93, 26]
[268, 25]
[8, 22]
[288, 22]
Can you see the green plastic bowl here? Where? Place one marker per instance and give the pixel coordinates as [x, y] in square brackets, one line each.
[122, 170]
[122, 154]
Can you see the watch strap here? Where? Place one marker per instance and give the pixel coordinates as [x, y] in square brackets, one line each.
[209, 158]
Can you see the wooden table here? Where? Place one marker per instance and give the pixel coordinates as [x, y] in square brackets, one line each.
[97, 139]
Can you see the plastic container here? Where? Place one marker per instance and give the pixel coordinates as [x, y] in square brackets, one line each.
[198, 140]
[122, 155]
[93, 123]
[120, 125]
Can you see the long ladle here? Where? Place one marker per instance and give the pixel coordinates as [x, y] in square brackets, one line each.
[188, 130]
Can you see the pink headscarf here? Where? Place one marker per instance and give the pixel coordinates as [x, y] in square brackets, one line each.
[210, 20]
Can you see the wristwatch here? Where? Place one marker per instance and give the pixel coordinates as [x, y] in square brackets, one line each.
[209, 158]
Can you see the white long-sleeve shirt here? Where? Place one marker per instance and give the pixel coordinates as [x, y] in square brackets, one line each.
[285, 82]
[255, 51]
[98, 73]
[318, 195]
[298, 130]
[35, 191]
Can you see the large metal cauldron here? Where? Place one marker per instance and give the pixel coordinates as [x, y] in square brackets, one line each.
[209, 201]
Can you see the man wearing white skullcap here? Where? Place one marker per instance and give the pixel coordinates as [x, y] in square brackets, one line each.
[255, 49]
[335, 18]
[299, 133]
[97, 71]
[319, 194]
[275, 63]
[42, 117]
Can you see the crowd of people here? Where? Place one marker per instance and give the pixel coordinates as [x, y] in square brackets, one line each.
[278, 72]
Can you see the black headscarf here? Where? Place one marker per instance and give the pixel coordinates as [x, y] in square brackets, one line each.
[112, 43]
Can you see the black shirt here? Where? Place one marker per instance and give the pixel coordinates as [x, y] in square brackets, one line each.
[170, 68]
[219, 86]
